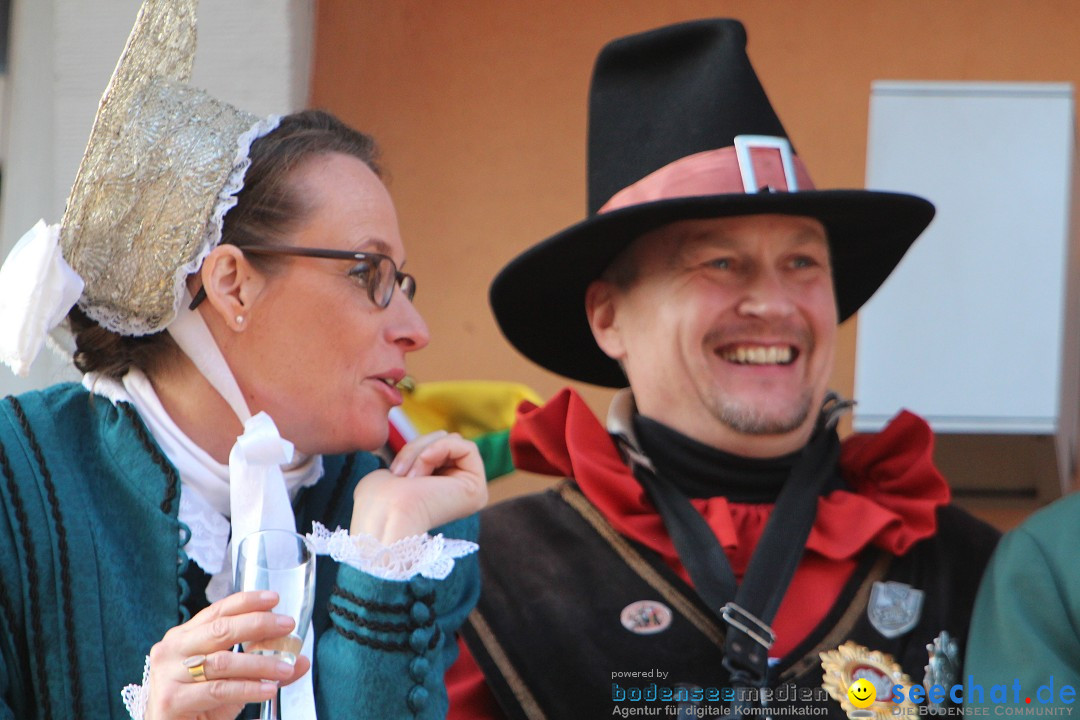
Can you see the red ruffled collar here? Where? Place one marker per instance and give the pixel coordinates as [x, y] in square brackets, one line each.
[894, 493]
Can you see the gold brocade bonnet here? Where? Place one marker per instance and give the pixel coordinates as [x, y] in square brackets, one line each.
[161, 169]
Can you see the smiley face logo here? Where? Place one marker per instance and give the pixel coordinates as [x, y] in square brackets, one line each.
[862, 693]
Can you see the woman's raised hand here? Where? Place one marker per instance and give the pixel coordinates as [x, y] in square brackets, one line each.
[436, 478]
[195, 674]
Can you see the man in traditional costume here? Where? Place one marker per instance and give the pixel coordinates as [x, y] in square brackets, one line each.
[715, 545]
[222, 396]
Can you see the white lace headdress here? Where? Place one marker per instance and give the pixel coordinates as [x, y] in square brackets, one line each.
[162, 167]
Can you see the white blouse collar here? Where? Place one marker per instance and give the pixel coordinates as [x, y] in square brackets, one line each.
[204, 482]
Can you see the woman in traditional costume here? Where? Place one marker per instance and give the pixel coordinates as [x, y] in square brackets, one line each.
[235, 290]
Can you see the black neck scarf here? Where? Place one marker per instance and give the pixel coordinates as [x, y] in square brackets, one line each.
[702, 471]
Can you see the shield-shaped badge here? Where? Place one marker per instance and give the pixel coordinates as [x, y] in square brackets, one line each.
[894, 608]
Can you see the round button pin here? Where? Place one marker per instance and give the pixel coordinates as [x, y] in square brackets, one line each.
[646, 617]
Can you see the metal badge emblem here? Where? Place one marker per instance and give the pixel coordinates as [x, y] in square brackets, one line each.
[852, 662]
[646, 617]
[942, 664]
[894, 608]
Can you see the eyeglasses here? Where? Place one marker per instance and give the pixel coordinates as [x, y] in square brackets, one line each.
[376, 273]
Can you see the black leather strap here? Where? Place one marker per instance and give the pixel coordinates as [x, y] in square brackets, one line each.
[749, 608]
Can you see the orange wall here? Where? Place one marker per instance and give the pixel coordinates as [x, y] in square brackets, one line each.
[480, 108]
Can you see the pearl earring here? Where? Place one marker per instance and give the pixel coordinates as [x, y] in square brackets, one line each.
[239, 319]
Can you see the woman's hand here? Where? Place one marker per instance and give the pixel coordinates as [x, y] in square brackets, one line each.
[230, 679]
[436, 478]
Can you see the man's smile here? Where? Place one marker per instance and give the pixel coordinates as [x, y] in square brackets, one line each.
[749, 354]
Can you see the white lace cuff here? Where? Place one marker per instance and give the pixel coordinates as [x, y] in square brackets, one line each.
[432, 557]
[136, 696]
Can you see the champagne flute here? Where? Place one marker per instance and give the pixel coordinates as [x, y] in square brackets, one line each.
[282, 561]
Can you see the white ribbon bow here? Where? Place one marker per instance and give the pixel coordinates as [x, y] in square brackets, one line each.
[37, 289]
[258, 498]
[257, 493]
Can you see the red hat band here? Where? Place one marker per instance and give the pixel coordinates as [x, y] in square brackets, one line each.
[755, 163]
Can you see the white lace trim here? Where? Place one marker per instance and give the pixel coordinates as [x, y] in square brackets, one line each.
[106, 387]
[432, 557]
[209, 531]
[226, 201]
[136, 696]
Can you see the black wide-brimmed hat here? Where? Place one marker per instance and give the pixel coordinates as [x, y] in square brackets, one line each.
[680, 128]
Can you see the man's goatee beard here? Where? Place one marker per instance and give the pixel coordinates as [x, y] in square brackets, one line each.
[752, 421]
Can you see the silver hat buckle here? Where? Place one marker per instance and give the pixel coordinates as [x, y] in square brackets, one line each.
[745, 143]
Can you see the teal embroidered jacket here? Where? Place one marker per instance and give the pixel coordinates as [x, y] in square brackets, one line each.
[92, 563]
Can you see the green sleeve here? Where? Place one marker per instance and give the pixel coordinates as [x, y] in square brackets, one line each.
[1026, 617]
[389, 643]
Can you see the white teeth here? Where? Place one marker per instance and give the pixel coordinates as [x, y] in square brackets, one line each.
[759, 355]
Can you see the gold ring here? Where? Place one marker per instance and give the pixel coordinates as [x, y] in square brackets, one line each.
[196, 667]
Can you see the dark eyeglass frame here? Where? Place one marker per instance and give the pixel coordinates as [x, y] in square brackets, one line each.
[404, 281]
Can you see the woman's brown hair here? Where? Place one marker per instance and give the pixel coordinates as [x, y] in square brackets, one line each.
[266, 210]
